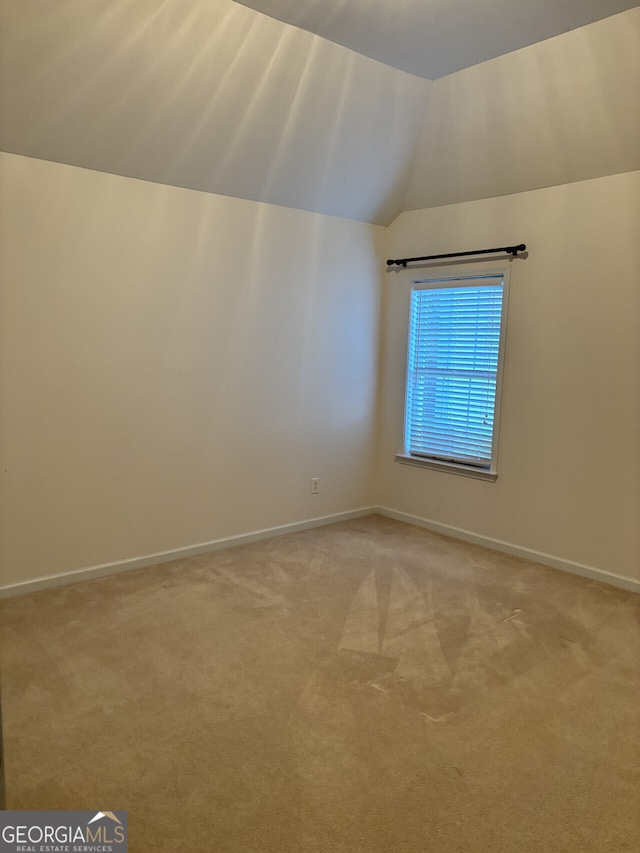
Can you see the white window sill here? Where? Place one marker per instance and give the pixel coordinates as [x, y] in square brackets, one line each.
[450, 467]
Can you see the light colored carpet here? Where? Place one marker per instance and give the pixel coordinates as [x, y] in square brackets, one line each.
[365, 687]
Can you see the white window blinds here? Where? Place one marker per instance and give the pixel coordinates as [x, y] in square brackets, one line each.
[454, 348]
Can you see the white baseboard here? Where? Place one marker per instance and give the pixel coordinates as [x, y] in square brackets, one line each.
[23, 587]
[516, 550]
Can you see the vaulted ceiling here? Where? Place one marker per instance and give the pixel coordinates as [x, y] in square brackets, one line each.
[215, 96]
[432, 38]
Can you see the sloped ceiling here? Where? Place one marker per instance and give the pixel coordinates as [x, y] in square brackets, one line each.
[214, 96]
[564, 110]
[208, 95]
[432, 38]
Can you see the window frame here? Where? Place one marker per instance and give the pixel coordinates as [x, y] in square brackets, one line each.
[442, 278]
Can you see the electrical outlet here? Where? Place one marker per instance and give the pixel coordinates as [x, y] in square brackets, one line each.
[315, 485]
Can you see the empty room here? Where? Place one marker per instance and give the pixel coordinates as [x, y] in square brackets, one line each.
[320, 426]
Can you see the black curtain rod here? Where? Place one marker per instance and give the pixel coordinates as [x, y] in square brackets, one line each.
[509, 250]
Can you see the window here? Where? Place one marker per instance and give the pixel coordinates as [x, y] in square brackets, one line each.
[454, 368]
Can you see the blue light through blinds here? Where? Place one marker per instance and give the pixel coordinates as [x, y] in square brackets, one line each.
[454, 340]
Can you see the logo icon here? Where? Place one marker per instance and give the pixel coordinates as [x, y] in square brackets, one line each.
[63, 831]
[100, 815]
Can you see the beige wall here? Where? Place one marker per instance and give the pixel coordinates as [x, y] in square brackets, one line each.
[176, 366]
[569, 459]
